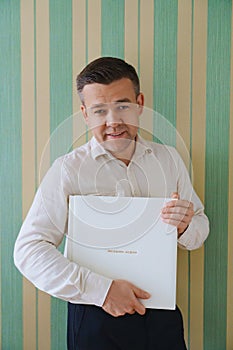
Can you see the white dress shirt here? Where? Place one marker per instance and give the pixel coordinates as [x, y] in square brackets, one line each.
[154, 171]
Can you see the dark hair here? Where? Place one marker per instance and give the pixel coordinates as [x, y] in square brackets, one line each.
[105, 70]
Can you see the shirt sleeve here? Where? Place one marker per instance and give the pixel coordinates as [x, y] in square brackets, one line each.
[198, 230]
[36, 254]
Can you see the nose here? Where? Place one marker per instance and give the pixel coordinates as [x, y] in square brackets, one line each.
[113, 118]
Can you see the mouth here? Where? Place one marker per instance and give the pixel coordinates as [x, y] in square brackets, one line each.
[115, 135]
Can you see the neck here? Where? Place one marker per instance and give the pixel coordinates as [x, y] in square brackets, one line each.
[127, 154]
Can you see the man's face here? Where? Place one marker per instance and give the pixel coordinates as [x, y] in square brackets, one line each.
[111, 113]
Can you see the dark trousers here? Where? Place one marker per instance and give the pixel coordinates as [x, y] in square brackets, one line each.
[91, 328]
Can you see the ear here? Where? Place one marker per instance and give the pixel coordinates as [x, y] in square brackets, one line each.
[140, 102]
[83, 110]
[140, 99]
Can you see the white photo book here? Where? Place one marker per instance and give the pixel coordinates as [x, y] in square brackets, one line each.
[125, 238]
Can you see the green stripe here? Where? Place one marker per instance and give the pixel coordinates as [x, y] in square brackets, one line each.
[165, 53]
[11, 169]
[61, 78]
[61, 87]
[216, 188]
[113, 24]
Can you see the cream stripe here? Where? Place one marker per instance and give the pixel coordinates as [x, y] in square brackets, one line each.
[131, 32]
[43, 87]
[28, 155]
[43, 133]
[94, 33]
[183, 79]
[29, 316]
[198, 158]
[79, 61]
[131, 56]
[230, 215]
[94, 29]
[44, 326]
[199, 95]
[183, 127]
[147, 62]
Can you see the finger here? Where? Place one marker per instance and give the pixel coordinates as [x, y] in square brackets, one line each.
[174, 216]
[139, 308]
[181, 213]
[179, 203]
[180, 222]
[113, 311]
[176, 222]
[131, 312]
[140, 293]
[175, 195]
[176, 210]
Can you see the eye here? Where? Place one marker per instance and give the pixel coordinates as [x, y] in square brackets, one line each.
[123, 107]
[100, 112]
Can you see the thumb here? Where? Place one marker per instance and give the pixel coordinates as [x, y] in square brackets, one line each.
[140, 293]
[175, 195]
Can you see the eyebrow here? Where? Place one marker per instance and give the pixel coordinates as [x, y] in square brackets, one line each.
[123, 100]
[99, 105]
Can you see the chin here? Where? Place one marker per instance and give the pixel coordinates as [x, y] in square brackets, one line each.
[117, 145]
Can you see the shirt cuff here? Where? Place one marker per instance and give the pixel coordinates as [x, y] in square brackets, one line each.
[185, 239]
[96, 289]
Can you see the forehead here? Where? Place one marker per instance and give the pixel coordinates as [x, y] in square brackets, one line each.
[118, 90]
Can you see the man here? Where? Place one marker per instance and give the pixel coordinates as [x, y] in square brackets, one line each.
[117, 161]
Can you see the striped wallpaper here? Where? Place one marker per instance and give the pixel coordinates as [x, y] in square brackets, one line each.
[183, 52]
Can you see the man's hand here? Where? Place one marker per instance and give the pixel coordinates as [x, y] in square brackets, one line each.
[178, 213]
[123, 297]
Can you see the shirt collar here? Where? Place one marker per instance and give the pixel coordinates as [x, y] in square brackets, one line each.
[142, 147]
[96, 149]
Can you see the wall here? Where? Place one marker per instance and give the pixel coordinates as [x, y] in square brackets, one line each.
[183, 52]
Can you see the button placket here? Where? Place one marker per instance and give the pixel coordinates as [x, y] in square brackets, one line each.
[133, 181]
